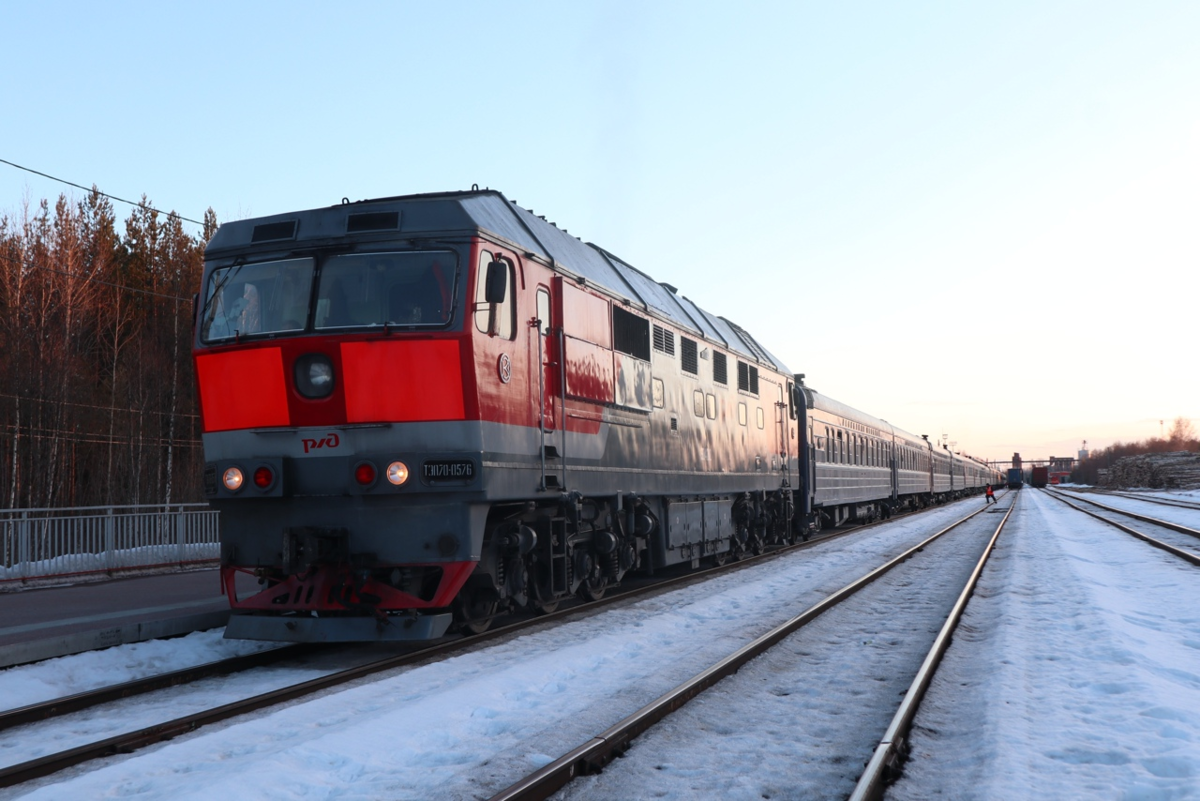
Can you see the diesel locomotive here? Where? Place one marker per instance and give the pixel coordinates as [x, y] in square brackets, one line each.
[421, 411]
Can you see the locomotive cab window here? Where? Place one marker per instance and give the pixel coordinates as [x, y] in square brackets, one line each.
[249, 299]
[497, 318]
[359, 290]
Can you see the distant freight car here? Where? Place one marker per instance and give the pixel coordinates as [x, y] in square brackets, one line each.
[1015, 478]
[1040, 477]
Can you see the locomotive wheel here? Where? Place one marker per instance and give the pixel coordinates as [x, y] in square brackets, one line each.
[475, 614]
[593, 589]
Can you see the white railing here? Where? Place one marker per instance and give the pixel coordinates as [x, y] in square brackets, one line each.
[41, 545]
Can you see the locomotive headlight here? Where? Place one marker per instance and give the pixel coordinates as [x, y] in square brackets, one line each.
[314, 375]
[397, 473]
[233, 479]
[320, 375]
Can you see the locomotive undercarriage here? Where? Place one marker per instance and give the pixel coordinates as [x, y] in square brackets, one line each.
[537, 555]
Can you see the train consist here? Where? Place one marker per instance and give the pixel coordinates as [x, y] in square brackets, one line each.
[422, 411]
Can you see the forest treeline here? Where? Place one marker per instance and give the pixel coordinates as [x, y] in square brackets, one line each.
[1182, 437]
[98, 403]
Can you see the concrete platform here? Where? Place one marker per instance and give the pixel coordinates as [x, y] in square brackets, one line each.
[44, 623]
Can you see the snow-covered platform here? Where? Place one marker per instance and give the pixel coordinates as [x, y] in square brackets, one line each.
[56, 621]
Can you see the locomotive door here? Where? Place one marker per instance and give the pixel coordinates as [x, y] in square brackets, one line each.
[543, 352]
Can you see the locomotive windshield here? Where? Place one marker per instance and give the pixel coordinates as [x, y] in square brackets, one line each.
[373, 289]
[358, 290]
[264, 298]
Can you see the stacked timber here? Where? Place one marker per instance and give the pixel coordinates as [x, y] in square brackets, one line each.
[1177, 470]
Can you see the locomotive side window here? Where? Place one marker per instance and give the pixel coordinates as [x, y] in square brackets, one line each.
[720, 368]
[761, 418]
[698, 403]
[631, 334]
[264, 298]
[358, 290]
[710, 406]
[495, 319]
[660, 394]
[741, 414]
[543, 311]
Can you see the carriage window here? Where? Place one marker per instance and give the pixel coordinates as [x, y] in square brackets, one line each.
[495, 319]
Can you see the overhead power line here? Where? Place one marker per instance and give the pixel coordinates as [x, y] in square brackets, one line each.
[145, 206]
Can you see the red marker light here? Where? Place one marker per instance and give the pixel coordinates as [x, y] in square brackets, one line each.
[365, 474]
[263, 477]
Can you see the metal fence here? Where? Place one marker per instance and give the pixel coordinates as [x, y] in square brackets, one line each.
[43, 545]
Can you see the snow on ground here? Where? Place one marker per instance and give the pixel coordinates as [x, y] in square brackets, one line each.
[56, 678]
[484, 718]
[1076, 673]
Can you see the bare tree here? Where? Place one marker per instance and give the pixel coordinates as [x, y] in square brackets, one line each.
[1183, 434]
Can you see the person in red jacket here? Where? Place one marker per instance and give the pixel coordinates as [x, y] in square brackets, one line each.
[990, 497]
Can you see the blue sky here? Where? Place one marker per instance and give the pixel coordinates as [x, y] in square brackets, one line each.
[972, 220]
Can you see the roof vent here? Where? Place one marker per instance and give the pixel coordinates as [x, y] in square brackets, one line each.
[373, 221]
[270, 232]
[669, 288]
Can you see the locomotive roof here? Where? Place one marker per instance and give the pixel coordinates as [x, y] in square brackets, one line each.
[451, 213]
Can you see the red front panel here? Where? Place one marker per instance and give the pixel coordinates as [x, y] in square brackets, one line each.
[242, 389]
[402, 380]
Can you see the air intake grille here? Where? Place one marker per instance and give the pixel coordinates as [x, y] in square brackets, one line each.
[664, 340]
[270, 232]
[373, 221]
[688, 355]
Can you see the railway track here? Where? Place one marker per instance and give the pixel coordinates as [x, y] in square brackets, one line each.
[591, 756]
[1190, 554]
[1153, 499]
[147, 735]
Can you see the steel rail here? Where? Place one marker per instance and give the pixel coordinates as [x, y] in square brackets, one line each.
[1179, 502]
[592, 755]
[1187, 556]
[889, 754]
[65, 705]
[1152, 520]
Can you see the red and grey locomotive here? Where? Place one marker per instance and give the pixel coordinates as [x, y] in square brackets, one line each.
[420, 411]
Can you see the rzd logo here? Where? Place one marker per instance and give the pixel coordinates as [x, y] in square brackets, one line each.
[330, 441]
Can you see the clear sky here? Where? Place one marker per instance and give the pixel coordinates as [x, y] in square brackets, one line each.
[977, 220]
